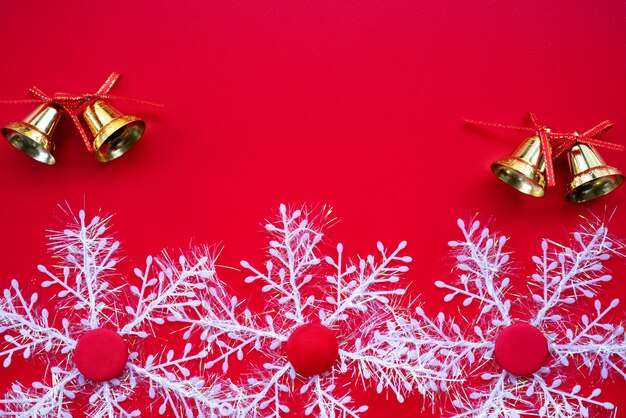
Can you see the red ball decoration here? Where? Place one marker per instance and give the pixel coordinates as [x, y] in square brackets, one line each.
[521, 349]
[100, 354]
[312, 349]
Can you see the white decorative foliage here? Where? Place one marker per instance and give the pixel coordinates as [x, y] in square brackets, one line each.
[382, 345]
[167, 287]
[41, 400]
[358, 301]
[88, 257]
[29, 330]
[567, 276]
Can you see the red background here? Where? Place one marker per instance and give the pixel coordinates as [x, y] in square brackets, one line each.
[354, 104]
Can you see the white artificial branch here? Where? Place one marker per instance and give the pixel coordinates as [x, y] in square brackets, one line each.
[42, 400]
[30, 330]
[567, 273]
[106, 402]
[499, 401]
[449, 350]
[189, 393]
[88, 255]
[328, 404]
[258, 395]
[293, 251]
[482, 262]
[222, 324]
[363, 288]
[558, 403]
[175, 287]
[596, 342]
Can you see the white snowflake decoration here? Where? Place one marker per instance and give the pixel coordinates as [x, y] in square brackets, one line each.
[359, 302]
[88, 260]
[566, 276]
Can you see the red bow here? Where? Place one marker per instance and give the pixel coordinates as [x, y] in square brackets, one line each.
[554, 144]
[73, 105]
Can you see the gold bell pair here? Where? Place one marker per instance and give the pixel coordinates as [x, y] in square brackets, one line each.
[524, 170]
[113, 133]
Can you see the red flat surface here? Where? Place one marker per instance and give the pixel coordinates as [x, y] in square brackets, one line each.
[354, 104]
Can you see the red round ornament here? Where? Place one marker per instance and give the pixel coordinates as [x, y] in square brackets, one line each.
[521, 349]
[312, 349]
[100, 354]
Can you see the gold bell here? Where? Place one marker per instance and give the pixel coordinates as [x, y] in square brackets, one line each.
[33, 135]
[114, 133]
[523, 170]
[592, 177]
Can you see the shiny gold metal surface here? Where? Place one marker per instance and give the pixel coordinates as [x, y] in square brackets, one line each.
[592, 177]
[33, 135]
[523, 170]
[114, 133]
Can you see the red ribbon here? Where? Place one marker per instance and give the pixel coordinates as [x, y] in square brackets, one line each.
[554, 144]
[73, 105]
